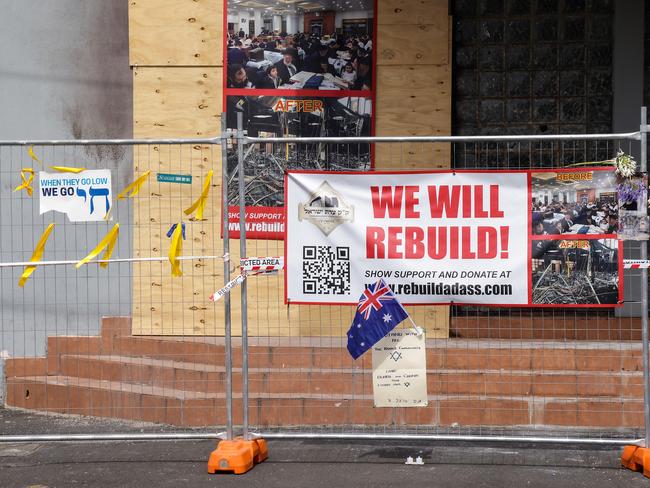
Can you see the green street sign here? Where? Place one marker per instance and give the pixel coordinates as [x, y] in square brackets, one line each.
[167, 178]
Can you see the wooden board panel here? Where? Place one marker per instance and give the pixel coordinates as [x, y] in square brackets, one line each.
[411, 11]
[414, 44]
[186, 102]
[176, 32]
[413, 156]
[424, 108]
[177, 102]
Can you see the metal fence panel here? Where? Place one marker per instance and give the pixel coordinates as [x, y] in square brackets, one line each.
[500, 373]
[129, 341]
[163, 355]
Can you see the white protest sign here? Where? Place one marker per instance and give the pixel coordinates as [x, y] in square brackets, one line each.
[399, 370]
[435, 237]
[84, 196]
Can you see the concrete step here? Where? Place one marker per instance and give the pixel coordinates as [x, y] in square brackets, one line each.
[446, 354]
[81, 396]
[210, 378]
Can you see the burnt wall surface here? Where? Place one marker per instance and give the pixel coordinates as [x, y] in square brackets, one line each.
[64, 74]
[532, 66]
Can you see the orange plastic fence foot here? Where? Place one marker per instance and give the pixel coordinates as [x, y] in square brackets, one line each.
[637, 459]
[237, 456]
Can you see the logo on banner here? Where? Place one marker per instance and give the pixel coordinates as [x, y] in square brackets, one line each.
[326, 209]
[83, 197]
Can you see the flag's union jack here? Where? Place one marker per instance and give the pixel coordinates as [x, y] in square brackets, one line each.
[372, 297]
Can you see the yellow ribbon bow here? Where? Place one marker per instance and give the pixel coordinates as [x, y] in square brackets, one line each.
[30, 151]
[36, 256]
[27, 182]
[67, 169]
[133, 187]
[199, 205]
[175, 250]
[107, 242]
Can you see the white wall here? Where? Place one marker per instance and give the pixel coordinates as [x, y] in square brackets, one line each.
[241, 18]
[352, 14]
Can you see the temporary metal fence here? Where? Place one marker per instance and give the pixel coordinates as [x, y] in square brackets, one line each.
[517, 374]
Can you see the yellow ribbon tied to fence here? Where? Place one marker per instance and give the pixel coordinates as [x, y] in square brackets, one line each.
[27, 181]
[175, 250]
[36, 256]
[108, 243]
[134, 187]
[30, 151]
[199, 205]
[67, 169]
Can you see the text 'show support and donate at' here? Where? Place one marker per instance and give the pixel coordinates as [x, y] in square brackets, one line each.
[435, 237]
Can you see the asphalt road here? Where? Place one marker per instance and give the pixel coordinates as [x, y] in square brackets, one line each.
[312, 464]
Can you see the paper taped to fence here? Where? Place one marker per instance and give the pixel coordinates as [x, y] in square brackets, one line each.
[84, 197]
[445, 237]
[399, 369]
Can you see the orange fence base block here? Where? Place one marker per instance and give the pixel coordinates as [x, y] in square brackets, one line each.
[237, 456]
[637, 459]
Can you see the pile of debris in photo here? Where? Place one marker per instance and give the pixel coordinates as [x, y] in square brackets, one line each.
[265, 164]
[576, 276]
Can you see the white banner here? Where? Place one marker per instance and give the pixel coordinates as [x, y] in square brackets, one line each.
[399, 369]
[437, 237]
[84, 197]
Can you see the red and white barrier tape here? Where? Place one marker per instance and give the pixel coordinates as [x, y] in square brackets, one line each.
[229, 286]
[250, 267]
[262, 265]
[636, 264]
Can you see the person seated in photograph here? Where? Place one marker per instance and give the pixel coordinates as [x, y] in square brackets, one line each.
[287, 66]
[364, 74]
[538, 227]
[334, 48]
[366, 42]
[313, 58]
[272, 46]
[349, 74]
[270, 79]
[325, 67]
[611, 225]
[568, 218]
[236, 55]
[237, 77]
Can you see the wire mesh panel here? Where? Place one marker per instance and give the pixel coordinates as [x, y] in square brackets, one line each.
[490, 371]
[128, 341]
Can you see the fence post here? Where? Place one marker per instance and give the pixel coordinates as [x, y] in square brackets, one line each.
[226, 277]
[644, 290]
[242, 254]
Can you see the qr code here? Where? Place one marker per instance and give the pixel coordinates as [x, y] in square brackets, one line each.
[325, 270]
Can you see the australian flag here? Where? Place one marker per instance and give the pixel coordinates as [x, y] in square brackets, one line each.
[378, 313]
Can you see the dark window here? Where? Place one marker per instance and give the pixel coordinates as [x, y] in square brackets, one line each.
[533, 66]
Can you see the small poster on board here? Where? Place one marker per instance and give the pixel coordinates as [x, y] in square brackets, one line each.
[399, 370]
[83, 197]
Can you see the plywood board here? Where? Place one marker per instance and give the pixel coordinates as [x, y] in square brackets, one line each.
[177, 102]
[176, 32]
[409, 12]
[186, 102]
[413, 45]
